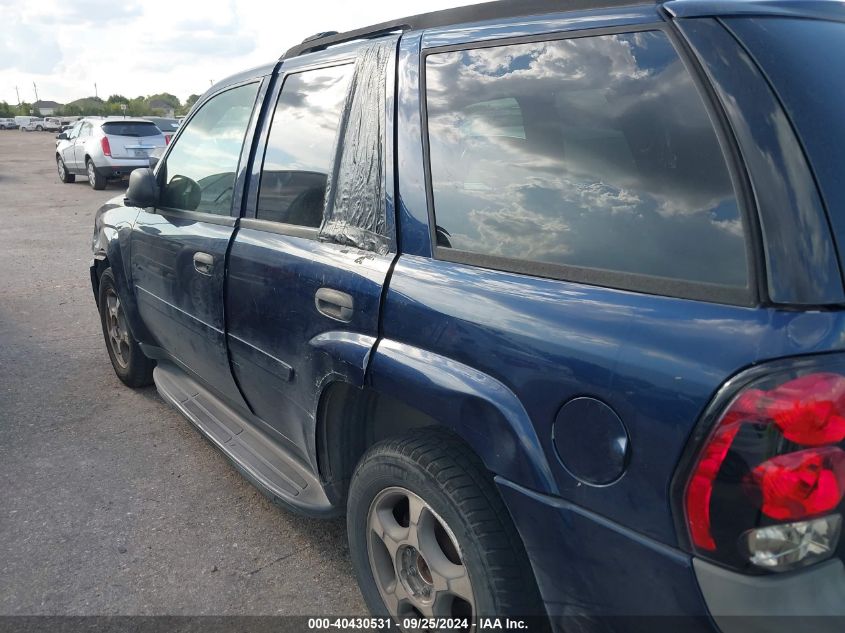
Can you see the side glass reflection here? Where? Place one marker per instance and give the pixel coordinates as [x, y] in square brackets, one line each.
[595, 152]
[299, 150]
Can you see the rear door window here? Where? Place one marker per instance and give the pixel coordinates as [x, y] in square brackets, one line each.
[299, 154]
[585, 153]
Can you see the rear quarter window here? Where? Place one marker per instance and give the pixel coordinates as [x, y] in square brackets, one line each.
[584, 153]
[805, 62]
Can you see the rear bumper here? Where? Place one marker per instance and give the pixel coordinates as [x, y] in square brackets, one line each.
[596, 575]
[765, 604]
[121, 168]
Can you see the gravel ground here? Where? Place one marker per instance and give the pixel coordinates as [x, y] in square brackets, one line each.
[110, 501]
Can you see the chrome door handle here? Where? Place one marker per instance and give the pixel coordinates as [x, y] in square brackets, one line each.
[334, 304]
[203, 263]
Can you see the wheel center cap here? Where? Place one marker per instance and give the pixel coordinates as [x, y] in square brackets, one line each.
[415, 573]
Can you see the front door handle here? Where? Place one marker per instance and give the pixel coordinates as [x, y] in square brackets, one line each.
[334, 304]
[203, 263]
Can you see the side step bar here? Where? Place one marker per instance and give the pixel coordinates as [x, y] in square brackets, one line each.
[268, 466]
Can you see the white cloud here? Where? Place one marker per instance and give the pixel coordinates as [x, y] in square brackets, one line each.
[29, 48]
[139, 48]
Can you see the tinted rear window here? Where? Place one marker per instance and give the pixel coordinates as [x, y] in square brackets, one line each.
[130, 128]
[595, 152]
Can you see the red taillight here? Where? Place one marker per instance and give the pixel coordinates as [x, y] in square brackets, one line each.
[104, 143]
[803, 484]
[771, 458]
[700, 486]
[167, 139]
[810, 410]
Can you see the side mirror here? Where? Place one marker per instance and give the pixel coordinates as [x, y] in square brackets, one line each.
[62, 136]
[143, 188]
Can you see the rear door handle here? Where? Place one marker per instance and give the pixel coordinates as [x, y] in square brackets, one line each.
[334, 304]
[203, 263]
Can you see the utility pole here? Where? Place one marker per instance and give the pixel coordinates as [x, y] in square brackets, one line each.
[35, 88]
[18, 92]
[95, 90]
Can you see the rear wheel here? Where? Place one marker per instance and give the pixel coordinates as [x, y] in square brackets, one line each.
[96, 180]
[129, 362]
[430, 536]
[39, 128]
[64, 175]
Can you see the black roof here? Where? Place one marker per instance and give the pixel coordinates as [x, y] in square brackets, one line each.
[473, 13]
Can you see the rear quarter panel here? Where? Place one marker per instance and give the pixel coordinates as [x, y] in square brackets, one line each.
[657, 361]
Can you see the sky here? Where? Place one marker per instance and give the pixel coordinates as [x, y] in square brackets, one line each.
[133, 48]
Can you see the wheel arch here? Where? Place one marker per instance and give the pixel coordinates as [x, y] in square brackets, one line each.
[408, 388]
[113, 226]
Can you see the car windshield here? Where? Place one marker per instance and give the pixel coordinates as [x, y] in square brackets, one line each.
[130, 128]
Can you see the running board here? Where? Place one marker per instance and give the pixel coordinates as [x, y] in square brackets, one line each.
[267, 465]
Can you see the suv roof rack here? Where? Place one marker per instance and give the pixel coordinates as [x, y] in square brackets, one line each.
[473, 13]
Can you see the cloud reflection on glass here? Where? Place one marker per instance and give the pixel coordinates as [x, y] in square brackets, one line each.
[200, 169]
[594, 152]
[299, 149]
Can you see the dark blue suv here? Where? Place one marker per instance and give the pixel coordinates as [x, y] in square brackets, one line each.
[547, 297]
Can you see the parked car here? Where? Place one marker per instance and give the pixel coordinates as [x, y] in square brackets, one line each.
[168, 127]
[549, 304]
[33, 125]
[105, 149]
[8, 124]
[51, 124]
[23, 120]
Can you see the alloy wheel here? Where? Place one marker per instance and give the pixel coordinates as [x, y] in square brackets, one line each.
[116, 328]
[415, 559]
[92, 175]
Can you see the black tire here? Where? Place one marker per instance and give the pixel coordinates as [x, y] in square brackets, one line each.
[39, 128]
[95, 179]
[130, 364]
[442, 471]
[64, 175]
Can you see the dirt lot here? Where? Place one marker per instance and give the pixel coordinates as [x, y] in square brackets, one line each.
[110, 501]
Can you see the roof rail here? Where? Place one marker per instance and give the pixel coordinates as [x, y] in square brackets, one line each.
[474, 13]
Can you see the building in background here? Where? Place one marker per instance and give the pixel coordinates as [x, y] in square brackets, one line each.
[46, 108]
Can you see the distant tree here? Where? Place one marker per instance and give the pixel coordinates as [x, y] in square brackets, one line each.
[138, 107]
[6, 111]
[117, 99]
[25, 109]
[168, 98]
[189, 103]
[69, 110]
